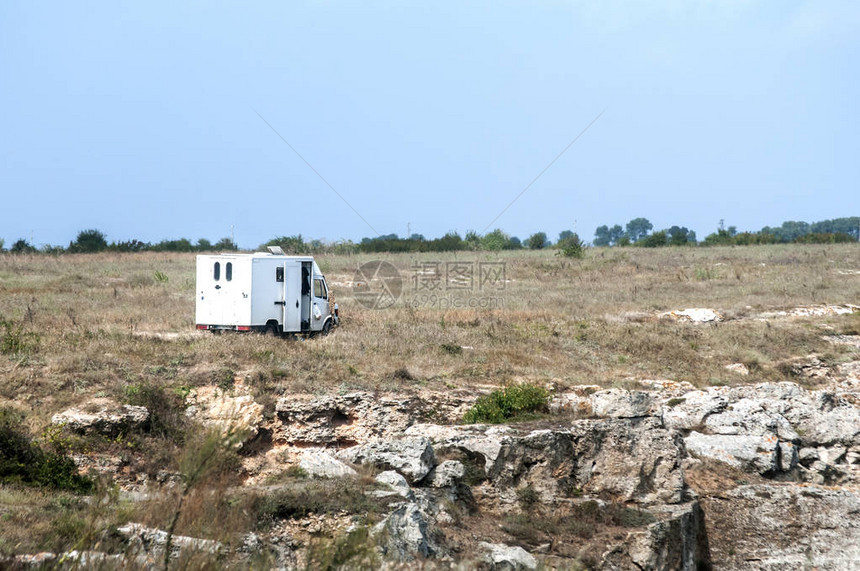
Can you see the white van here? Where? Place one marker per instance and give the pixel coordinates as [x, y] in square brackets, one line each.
[266, 292]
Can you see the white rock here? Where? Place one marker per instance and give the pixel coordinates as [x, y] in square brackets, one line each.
[447, 474]
[758, 453]
[619, 403]
[738, 368]
[319, 464]
[405, 534]
[102, 416]
[694, 315]
[411, 457]
[505, 557]
[394, 481]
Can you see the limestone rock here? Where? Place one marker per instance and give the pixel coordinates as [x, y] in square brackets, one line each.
[619, 403]
[479, 442]
[102, 416]
[411, 457]
[507, 558]
[320, 464]
[404, 534]
[776, 527]
[232, 414]
[447, 474]
[746, 451]
[395, 481]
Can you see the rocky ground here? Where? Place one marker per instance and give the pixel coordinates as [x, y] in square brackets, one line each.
[659, 475]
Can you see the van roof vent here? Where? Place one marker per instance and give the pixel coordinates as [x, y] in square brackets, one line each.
[276, 250]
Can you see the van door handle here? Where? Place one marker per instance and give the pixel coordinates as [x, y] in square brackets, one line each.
[280, 303]
[297, 303]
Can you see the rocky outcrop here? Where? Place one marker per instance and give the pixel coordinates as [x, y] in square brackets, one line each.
[102, 416]
[357, 417]
[501, 557]
[320, 464]
[234, 414]
[775, 527]
[413, 458]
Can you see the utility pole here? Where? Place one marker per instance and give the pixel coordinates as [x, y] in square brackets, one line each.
[722, 224]
[232, 239]
[408, 230]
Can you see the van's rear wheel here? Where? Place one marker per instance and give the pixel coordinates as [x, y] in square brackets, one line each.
[326, 328]
[272, 329]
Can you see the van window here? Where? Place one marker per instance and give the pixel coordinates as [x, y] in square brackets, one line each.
[279, 274]
[217, 271]
[319, 289]
[228, 271]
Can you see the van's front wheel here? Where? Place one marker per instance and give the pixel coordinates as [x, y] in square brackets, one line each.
[326, 328]
[272, 329]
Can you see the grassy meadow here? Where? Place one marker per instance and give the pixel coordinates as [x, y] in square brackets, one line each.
[92, 325]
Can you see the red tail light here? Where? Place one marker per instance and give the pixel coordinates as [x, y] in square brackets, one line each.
[202, 326]
[243, 328]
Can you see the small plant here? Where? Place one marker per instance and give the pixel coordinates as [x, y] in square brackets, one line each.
[527, 497]
[24, 461]
[14, 340]
[451, 348]
[160, 277]
[507, 403]
[571, 247]
[673, 402]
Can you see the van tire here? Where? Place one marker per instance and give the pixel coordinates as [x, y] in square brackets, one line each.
[272, 329]
[326, 329]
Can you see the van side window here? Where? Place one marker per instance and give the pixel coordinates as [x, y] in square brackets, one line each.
[217, 271]
[279, 274]
[228, 271]
[319, 289]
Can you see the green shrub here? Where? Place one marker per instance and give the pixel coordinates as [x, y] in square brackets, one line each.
[571, 247]
[166, 410]
[23, 461]
[14, 340]
[507, 403]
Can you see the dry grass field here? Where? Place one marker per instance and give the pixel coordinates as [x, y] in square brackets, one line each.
[102, 322]
[78, 327]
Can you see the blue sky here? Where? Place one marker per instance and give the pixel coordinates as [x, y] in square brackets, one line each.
[140, 118]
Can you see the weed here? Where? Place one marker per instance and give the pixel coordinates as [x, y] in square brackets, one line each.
[24, 461]
[451, 348]
[160, 277]
[14, 340]
[352, 550]
[527, 497]
[508, 403]
[675, 401]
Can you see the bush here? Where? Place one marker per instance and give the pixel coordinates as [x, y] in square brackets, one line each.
[166, 410]
[89, 241]
[14, 340]
[571, 247]
[507, 403]
[23, 461]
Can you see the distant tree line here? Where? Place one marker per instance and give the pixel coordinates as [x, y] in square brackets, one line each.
[638, 232]
[93, 241]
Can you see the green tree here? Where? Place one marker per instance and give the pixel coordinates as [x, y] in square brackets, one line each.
[89, 241]
[655, 240]
[203, 245]
[225, 244]
[495, 240]
[22, 246]
[536, 241]
[638, 228]
[601, 236]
